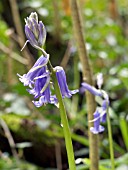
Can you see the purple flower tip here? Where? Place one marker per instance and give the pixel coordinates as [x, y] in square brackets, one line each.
[35, 32]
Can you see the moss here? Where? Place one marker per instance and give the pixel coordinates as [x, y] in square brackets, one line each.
[25, 128]
[12, 121]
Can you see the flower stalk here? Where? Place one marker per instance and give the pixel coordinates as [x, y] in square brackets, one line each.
[64, 123]
[39, 76]
[110, 142]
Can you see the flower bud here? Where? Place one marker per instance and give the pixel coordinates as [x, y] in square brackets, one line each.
[35, 32]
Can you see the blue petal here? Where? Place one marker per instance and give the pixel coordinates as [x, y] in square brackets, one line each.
[103, 118]
[38, 69]
[35, 28]
[30, 36]
[42, 34]
[104, 107]
[97, 121]
[40, 102]
[96, 131]
[61, 77]
[43, 101]
[91, 89]
[97, 127]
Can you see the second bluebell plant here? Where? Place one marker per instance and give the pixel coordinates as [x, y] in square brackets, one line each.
[101, 112]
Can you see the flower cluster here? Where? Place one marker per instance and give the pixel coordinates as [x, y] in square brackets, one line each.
[100, 113]
[38, 78]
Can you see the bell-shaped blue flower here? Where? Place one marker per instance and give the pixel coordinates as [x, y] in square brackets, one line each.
[38, 68]
[38, 79]
[40, 84]
[61, 77]
[42, 91]
[97, 127]
[99, 116]
[91, 89]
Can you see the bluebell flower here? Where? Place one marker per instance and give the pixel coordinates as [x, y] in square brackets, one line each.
[38, 79]
[35, 31]
[91, 89]
[61, 77]
[42, 91]
[40, 84]
[28, 79]
[97, 127]
[99, 115]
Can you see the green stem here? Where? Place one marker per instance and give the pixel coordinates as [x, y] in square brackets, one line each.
[64, 122]
[110, 142]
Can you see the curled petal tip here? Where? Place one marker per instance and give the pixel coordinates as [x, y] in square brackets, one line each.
[95, 131]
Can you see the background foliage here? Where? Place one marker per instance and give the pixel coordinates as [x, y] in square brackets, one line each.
[37, 133]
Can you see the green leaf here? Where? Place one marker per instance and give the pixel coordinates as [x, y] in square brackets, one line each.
[124, 129]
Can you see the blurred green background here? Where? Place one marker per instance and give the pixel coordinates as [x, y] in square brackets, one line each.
[31, 138]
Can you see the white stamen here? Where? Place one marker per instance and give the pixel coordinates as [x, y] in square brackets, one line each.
[24, 45]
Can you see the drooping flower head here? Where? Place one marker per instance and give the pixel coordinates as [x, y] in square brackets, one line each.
[38, 80]
[97, 127]
[61, 77]
[42, 91]
[91, 89]
[39, 66]
[100, 114]
[35, 31]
